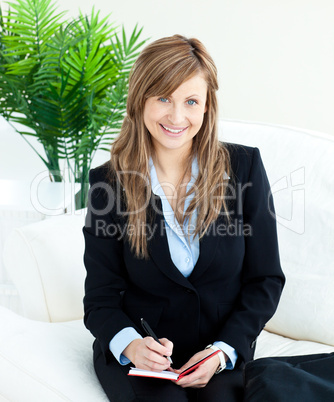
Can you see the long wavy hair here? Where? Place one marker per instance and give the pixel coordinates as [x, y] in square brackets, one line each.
[159, 70]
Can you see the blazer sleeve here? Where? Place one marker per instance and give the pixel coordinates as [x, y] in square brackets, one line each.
[103, 258]
[262, 276]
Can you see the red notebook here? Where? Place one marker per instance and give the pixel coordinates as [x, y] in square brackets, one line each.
[169, 375]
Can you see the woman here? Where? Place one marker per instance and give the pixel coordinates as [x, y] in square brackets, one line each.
[180, 232]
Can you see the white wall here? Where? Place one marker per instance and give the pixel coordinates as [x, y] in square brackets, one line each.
[275, 59]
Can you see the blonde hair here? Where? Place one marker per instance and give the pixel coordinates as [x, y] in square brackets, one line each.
[159, 70]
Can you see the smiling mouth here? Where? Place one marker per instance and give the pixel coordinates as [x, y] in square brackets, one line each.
[171, 130]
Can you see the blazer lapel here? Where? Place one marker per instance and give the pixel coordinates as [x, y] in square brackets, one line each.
[207, 249]
[159, 250]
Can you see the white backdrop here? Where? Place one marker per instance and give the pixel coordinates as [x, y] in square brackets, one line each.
[275, 60]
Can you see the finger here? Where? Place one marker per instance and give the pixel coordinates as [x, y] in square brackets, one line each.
[167, 344]
[152, 352]
[191, 380]
[151, 366]
[156, 346]
[197, 378]
[188, 364]
[154, 361]
[155, 358]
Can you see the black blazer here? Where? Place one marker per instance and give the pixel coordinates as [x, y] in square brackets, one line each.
[232, 292]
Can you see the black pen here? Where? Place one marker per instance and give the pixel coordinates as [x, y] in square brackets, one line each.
[149, 332]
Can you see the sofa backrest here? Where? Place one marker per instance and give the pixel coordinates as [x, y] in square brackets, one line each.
[45, 259]
[299, 165]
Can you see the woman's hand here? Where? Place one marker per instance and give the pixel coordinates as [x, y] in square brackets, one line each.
[147, 354]
[202, 375]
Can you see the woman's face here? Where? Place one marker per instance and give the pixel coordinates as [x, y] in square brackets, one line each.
[174, 121]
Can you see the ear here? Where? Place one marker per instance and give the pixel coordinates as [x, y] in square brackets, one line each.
[206, 108]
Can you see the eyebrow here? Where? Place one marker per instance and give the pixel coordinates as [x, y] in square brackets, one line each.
[190, 96]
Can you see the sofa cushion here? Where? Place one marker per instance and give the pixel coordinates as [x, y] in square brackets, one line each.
[53, 362]
[270, 345]
[48, 271]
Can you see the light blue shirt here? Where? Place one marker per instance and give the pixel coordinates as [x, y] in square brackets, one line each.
[184, 255]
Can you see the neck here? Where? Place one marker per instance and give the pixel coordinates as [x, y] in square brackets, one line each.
[170, 162]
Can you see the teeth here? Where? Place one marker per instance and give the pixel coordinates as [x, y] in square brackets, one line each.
[172, 131]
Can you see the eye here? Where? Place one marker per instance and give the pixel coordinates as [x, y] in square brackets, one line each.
[164, 100]
[191, 102]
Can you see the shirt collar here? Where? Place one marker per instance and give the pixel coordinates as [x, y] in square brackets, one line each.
[155, 184]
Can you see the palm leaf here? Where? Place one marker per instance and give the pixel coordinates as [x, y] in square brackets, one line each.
[67, 81]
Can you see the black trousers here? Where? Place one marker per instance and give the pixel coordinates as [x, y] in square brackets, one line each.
[307, 378]
[119, 387]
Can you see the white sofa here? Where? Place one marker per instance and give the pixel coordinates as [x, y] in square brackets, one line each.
[47, 355]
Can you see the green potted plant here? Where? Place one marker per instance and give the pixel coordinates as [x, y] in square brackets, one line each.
[65, 82]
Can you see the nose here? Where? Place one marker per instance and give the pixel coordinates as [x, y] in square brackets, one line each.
[176, 115]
